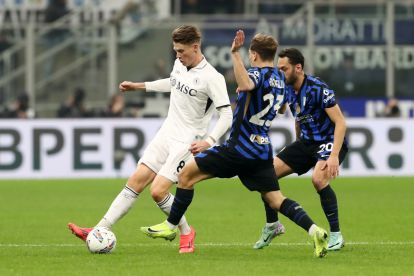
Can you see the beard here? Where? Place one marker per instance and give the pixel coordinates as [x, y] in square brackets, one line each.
[291, 80]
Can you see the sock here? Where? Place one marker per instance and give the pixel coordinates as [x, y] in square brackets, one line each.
[271, 215]
[171, 226]
[330, 207]
[312, 230]
[119, 207]
[295, 213]
[165, 206]
[182, 200]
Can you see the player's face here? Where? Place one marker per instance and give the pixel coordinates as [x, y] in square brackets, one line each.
[288, 69]
[187, 54]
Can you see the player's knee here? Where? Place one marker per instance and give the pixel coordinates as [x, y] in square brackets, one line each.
[158, 193]
[274, 205]
[319, 181]
[275, 200]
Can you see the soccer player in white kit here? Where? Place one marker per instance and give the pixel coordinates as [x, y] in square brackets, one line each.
[196, 90]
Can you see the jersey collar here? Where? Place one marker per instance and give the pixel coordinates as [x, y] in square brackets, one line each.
[201, 64]
[303, 84]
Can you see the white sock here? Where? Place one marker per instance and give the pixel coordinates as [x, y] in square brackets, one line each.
[312, 230]
[119, 207]
[170, 225]
[165, 206]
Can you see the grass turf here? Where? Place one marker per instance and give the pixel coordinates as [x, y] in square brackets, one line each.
[375, 213]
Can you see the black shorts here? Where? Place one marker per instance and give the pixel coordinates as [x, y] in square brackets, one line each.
[225, 162]
[302, 156]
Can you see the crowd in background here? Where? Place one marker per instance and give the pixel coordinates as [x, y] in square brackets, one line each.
[233, 6]
[76, 104]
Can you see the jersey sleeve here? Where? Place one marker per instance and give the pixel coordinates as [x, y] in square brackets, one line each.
[217, 91]
[162, 85]
[255, 76]
[327, 97]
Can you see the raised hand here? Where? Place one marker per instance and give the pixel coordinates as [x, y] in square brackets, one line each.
[238, 41]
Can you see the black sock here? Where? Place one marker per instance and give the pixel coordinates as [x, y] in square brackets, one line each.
[271, 215]
[296, 213]
[181, 202]
[330, 207]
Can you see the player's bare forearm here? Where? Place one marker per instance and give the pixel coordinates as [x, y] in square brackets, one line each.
[131, 86]
[338, 119]
[244, 83]
[339, 136]
[332, 164]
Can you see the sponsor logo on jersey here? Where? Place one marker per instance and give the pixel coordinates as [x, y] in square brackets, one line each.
[305, 118]
[328, 98]
[261, 140]
[182, 87]
[327, 93]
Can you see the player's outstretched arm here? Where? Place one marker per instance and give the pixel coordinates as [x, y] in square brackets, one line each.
[244, 83]
[131, 86]
[162, 85]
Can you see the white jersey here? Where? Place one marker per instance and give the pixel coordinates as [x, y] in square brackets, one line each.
[194, 94]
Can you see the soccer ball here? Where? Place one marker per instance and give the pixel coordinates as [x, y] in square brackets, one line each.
[101, 240]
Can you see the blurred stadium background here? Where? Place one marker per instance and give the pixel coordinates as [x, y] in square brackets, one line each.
[65, 59]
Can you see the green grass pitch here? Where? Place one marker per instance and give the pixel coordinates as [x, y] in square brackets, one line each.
[376, 214]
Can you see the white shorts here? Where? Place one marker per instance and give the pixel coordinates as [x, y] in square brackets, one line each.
[166, 156]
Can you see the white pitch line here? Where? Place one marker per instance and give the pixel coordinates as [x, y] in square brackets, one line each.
[379, 243]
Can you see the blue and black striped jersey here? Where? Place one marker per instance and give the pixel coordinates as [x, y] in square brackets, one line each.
[255, 111]
[308, 107]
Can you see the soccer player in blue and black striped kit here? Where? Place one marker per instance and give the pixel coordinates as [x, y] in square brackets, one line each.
[248, 152]
[320, 144]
